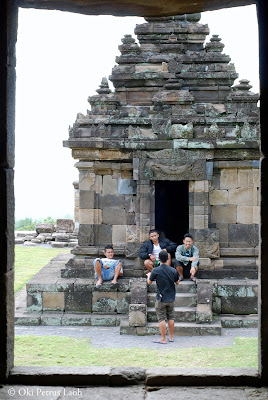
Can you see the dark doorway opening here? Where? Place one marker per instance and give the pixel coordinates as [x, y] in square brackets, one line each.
[172, 209]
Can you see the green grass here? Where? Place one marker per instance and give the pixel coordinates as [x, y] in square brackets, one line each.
[62, 351]
[29, 260]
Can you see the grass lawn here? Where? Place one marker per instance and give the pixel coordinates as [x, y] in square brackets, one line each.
[62, 351]
[29, 260]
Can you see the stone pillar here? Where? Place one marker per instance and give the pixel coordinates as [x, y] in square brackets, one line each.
[204, 302]
[138, 300]
[8, 32]
[76, 206]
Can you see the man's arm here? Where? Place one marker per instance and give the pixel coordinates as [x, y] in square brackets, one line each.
[143, 253]
[170, 246]
[179, 256]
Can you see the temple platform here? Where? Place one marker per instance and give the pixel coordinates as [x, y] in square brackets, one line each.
[202, 309]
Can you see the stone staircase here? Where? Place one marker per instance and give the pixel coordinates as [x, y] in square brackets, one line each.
[190, 320]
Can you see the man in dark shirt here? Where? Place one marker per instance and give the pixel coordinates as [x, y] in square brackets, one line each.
[150, 249]
[166, 277]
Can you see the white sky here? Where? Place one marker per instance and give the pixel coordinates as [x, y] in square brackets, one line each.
[61, 58]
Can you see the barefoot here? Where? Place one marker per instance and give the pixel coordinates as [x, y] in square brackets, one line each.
[114, 281]
[99, 282]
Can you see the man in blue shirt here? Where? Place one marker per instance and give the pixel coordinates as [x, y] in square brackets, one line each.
[166, 277]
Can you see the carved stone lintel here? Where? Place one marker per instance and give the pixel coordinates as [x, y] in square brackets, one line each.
[173, 170]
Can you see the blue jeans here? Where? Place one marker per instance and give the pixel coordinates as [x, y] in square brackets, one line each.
[106, 274]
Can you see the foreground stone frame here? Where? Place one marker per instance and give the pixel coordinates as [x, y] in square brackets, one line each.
[107, 376]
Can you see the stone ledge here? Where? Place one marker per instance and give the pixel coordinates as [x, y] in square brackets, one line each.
[154, 377]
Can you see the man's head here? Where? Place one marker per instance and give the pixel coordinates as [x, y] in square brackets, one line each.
[109, 251]
[163, 256]
[153, 235]
[188, 240]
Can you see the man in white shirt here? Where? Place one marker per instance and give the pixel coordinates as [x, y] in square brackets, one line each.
[150, 250]
[107, 269]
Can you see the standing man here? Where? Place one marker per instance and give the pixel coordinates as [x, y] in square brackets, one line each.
[151, 248]
[107, 269]
[166, 277]
[187, 256]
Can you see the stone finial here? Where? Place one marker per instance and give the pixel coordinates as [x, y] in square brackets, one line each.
[215, 44]
[243, 85]
[128, 45]
[104, 87]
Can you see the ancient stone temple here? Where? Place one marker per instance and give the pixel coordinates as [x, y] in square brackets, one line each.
[174, 147]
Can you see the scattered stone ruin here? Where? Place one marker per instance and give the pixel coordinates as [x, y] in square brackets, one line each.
[61, 235]
[174, 147]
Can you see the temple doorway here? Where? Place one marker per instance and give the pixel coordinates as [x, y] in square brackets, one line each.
[172, 209]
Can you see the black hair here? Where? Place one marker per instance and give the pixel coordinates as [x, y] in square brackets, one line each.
[109, 246]
[188, 235]
[153, 230]
[163, 256]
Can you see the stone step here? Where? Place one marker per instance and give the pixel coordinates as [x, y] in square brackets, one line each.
[181, 300]
[180, 329]
[228, 273]
[192, 329]
[67, 319]
[182, 314]
[239, 321]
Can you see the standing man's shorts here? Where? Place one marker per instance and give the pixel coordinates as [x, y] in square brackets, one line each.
[164, 310]
[106, 274]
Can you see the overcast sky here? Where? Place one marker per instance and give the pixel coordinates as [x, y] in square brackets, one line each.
[61, 58]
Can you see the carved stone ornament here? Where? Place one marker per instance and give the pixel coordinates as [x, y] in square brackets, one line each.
[162, 170]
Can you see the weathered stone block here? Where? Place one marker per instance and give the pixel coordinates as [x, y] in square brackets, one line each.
[109, 201]
[64, 225]
[104, 302]
[218, 197]
[239, 305]
[207, 240]
[244, 214]
[45, 228]
[86, 199]
[228, 178]
[87, 216]
[34, 301]
[138, 290]
[199, 222]
[243, 196]
[131, 234]
[78, 301]
[137, 314]
[224, 214]
[127, 186]
[119, 234]
[204, 293]
[244, 233]
[245, 178]
[110, 185]
[103, 234]
[123, 301]
[203, 314]
[53, 301]
[114, 216]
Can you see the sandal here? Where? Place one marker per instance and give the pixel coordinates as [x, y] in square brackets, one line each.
[193, 279]
[180, 278]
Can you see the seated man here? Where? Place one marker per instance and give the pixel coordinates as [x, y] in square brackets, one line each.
[187, 256]
[150, 250]
[107, 269]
